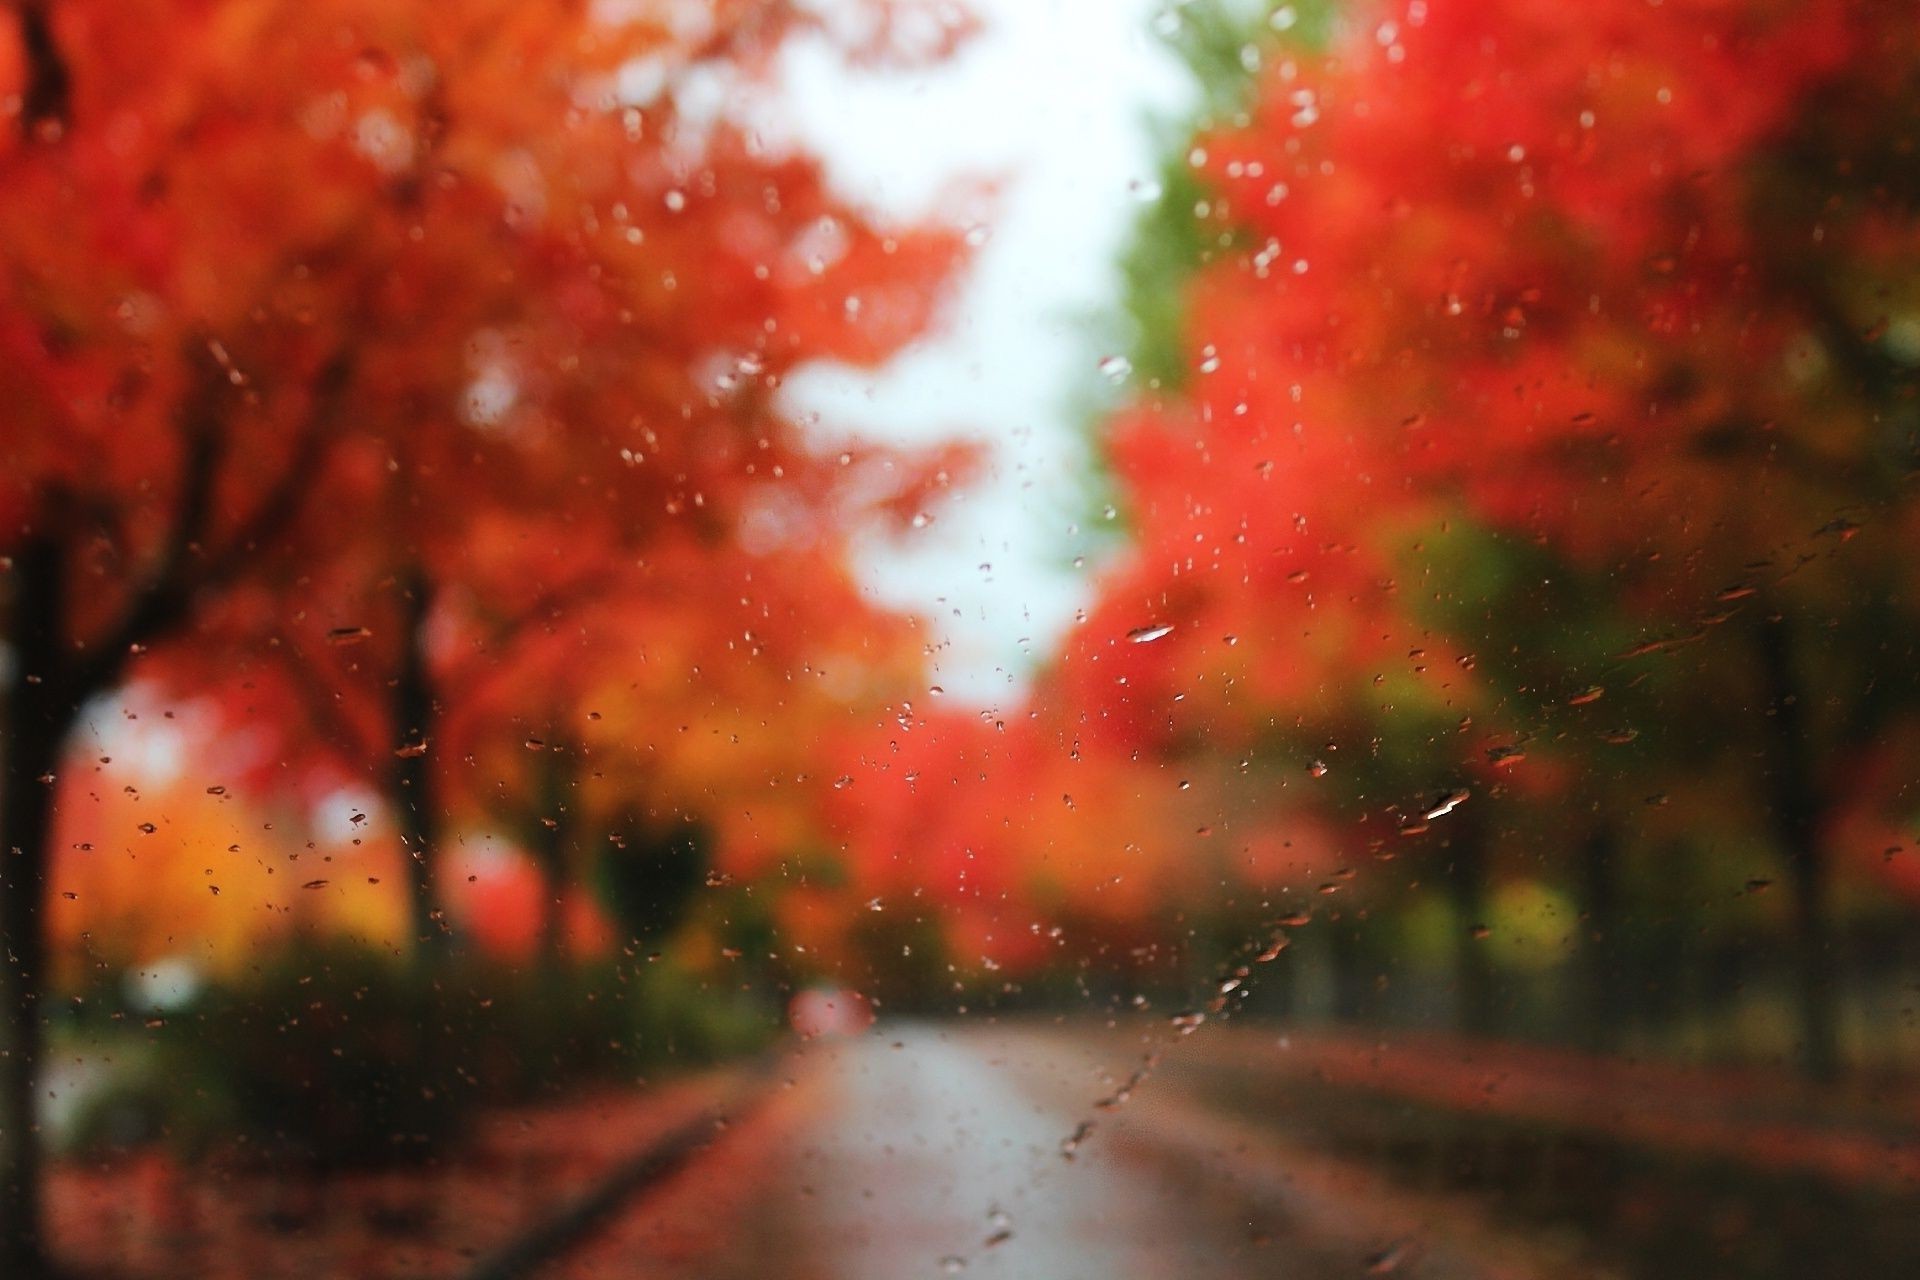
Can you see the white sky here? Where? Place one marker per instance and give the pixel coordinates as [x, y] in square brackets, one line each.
[1052, 99]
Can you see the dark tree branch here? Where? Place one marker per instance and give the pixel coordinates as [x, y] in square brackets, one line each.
[46, 108]
[283, 502]
[164, 601]
[480, 669]
[324, 708]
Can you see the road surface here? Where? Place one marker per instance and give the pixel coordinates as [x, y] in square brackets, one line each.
[941, 1150]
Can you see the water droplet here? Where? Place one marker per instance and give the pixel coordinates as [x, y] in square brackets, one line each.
[1147, 635]
[1843, 527]
[1388, 1259]
[1116, 369]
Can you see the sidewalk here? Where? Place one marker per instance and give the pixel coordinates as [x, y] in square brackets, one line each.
[1772, 1121]
[147, 1217]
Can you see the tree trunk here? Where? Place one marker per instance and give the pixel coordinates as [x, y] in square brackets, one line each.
[1349, 971]
[39, 713]
[552, 832]
[1474, 1013]
[48, 100]
[1793, 809]
[415, 806]
[1279, 987]
[1600, 974]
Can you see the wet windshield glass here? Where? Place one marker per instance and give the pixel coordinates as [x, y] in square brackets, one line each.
[877, 638]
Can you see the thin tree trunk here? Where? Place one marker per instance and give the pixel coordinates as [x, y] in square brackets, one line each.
[39, 713]
[415, 805]
[1474, 1013]
[1793, 809]
[1349, 974]
[47, 102]
[1600, 974]
[1280, 986]
[24, 835]
[552, 834]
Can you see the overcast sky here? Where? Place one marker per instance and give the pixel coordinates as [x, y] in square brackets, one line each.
[1053, 100]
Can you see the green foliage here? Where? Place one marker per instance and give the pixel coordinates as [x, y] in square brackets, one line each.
[647, 876]
[681, 1021]
[334, 1057]
[903, 961]
[1223, 44]
[326, 1057]
[1170, 244]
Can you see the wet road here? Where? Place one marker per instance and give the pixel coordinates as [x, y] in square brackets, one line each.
[937, 1150]
[945, 1154]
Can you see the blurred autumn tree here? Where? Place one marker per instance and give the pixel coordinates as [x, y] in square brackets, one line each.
[1546, 432]
[700, 698]
[354, 347]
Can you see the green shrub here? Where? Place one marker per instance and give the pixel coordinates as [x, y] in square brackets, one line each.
[335, 1056]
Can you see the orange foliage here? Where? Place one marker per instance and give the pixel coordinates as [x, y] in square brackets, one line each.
[426, 365]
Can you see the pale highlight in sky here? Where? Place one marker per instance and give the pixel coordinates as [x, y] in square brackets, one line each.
[1052, 102]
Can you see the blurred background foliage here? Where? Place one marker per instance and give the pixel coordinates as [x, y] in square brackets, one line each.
[1513, 636]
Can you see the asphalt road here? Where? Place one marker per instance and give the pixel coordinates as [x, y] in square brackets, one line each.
[940, 1150]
